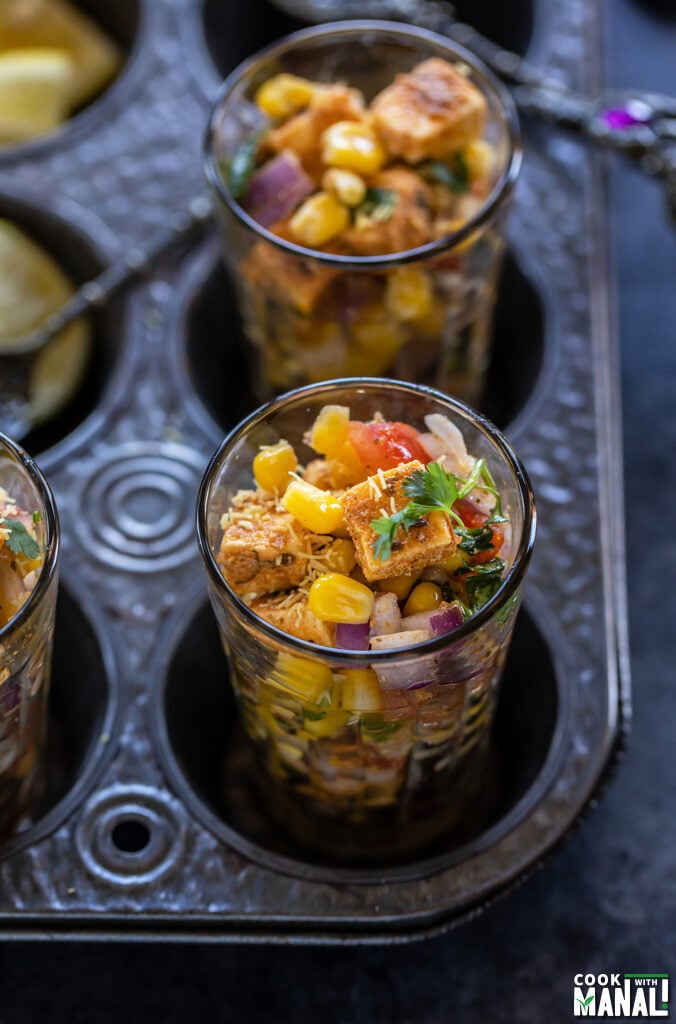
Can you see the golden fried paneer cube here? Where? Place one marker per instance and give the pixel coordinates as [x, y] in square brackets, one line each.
[429, 541]
[409, 225]
[285, 278]
[429, 113]
[302, 133]
[291, 614]
[263, 548]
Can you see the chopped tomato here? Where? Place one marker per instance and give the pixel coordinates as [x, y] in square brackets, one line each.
[472, 517]
[383, 445]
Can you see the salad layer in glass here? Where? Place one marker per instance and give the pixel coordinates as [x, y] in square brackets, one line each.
[28, 551]
[366, 583]
[374, 196]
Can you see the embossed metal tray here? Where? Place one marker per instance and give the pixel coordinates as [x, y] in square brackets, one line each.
[149, 828]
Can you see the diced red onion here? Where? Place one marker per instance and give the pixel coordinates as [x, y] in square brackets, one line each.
[352, 637]
[386, 616]
[277, 189]
[446, 618]
[401, 677]
[443, 619]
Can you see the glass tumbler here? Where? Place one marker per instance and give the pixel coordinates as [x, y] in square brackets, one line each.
[312, 315]
[28, 582]
[359, 770]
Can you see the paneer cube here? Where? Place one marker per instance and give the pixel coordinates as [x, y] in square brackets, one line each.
[291, 614]
[429, 113]
[430, 541]
[409, 225]
[286, 278]
[302, 133]
[263, 549]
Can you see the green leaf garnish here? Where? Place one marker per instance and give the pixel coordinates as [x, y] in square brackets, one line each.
[19, 540]
[239, 170]
[378, 729]
[377, 205]
[481, 582]
[433, 489]
[454, 175]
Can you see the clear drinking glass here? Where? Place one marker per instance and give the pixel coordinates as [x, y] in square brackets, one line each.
[25, 635]
[356, 776]
[311, 315]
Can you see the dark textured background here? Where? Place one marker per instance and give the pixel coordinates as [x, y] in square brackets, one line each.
[607, 901]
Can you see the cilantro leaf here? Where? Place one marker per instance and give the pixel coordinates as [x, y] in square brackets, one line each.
[238, 171]
[377, 205]
[19, 540]
[453, 175]
[481, 582]
[475, 540]
[432, 487]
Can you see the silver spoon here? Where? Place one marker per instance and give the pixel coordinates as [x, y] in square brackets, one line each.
[16, 355]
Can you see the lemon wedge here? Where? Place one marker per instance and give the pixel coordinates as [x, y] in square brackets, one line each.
[59, 24]
[34, 92]
[31, 287]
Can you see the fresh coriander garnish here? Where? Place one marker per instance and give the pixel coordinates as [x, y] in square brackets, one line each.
[453, 175]
[378, 205]
[37, 516]
[433, 489]
[19, 540]
[239, 170]
[481, 582]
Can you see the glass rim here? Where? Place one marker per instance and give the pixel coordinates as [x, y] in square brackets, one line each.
[500, 191]
[48, 570]
[508, 587]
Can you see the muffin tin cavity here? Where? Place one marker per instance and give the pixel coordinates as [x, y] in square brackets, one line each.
[233, 31]
[217, 360]
[210, 761]
[81, 720]
[81, 258]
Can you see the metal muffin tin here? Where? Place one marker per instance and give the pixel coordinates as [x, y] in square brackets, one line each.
[149, 827]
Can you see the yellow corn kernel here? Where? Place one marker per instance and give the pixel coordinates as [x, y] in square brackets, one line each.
[306, 679]
[479, 158]
[408, 293]
[337, 598]
[348, 186]
[400, 586]
[455, 561]
[349, 462]
[425, 598]
[273, 464]
[378, 335]
[319, 219]
[316, 510]
[329, 430]
[283, 95]
[354, 146]
[341, 558]
[330, 723]
[359, 691]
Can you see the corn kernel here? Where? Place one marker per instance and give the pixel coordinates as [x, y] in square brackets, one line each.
[348, 186]
[408, 294]
[425, 598]
[329, 724]
[479, 158]
[306, 679]
[272, 466]
[329, 431]
[319, 219]
[337, 598]
[341, 558]
[379, 335]
[354, 146]
[315, 509]
[455, 561]
[400, 586]
[349, 464]
[359, 691]
[283, 95]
